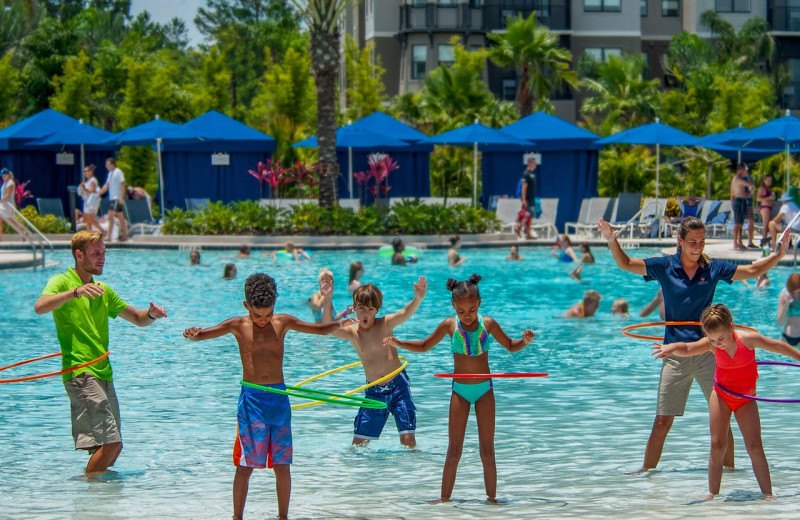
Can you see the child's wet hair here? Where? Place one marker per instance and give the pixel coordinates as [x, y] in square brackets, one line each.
[260, 291]
[368, 296]
[355, 267]
[464, 289]
[455, 239]
[397, 245]
[716, 317]
[793, 282]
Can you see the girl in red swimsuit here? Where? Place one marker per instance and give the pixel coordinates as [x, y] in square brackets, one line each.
[737, 372]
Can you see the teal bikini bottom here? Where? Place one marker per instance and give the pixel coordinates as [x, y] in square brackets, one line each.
[472, 392]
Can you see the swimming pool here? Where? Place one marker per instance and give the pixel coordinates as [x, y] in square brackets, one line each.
[563, 443]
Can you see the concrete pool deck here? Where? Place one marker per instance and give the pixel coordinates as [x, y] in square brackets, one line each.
[14, 253]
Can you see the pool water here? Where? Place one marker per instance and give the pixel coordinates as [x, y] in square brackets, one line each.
[563, 443]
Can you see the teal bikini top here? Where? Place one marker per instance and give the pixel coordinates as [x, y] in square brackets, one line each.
[468, 343]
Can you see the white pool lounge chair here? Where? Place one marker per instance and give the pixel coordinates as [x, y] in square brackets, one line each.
[595, 208]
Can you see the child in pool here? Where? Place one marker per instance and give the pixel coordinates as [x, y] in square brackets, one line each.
[379, 360]
[356, 272]
[469, 333]
[563, 249]
[586, 258]
[453, 256]
[318, 300]
[291, 250]
[736, 371]
[587, 307]
[260, 335]
[513, 254]
[398, 258]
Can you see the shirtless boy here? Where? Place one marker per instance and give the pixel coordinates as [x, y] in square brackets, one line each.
[379, 360]
[742, 201]
[264, 433]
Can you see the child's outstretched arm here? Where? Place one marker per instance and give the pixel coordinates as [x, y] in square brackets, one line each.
[198, 334]
[512, 345]
[399, 317]
[292, 323]
[444, 328]
[679, 348]
[771, 345]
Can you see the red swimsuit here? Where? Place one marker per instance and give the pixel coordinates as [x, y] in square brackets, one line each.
[737, 373]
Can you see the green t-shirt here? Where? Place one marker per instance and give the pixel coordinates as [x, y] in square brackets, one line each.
[82, 325]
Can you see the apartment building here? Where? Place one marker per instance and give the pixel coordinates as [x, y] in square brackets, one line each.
[413, 37]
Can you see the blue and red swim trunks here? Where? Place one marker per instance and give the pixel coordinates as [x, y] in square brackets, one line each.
[264, 433]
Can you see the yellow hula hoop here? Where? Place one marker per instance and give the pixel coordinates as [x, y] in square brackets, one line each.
[379, 381]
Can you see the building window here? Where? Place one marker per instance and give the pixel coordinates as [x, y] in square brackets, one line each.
[601, 54]
[447, 55]
[602, 5]
[509, 89]
[419, 59]
[420, 2]
[643, 7]
[732, 6]
[670, 7]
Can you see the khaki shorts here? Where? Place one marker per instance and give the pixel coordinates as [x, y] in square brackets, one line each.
[677, 374]
[95, 411]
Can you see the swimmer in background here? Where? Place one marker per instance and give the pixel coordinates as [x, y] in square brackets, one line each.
[194, 257]
[585, 308]
[264, 419]
[736, 370]
[620, 308]
[513, 254]
[290, 249]
[656, 302]
[789, 310]
[469, 341]
[229, 273]
[398, 258]
[563, 249]
[762, 281]
[356, 272]
[586, 258]
[318, 300]
[453, 258]
[380, 360]
[244, 252]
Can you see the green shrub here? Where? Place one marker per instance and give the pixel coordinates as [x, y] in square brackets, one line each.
[44, 223]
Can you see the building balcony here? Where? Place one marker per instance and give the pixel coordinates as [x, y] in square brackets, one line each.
[491, 16]
[784, 19]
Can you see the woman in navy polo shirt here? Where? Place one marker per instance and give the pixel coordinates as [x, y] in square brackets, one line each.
[688, 280]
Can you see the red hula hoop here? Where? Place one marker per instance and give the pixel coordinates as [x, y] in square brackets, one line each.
[492, 376]
[49, 374]
[626, 330]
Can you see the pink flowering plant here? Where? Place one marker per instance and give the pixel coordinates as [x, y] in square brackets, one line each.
[303, 178]
[271, 173]
[22, 194]
[378, 173]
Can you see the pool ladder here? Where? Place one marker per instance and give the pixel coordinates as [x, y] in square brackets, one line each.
[32, 235]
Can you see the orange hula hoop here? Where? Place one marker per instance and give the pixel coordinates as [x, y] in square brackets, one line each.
[626, 330]
[49, 374]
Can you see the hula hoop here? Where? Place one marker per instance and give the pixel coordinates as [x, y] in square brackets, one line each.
[49, 374]
[764, 399]
[492, 376]
[379, 381]
[626, 330]
[307, 393]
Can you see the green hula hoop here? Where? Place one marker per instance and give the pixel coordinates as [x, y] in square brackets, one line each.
[314, 395]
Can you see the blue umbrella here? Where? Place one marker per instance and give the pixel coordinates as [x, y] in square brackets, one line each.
[552, 133]
[783, 133]
[35, 127]
[352, 137]
[222, 132]
[482, 138]
[657, 134]
[156, 132]
[381, 124]
[81, 135]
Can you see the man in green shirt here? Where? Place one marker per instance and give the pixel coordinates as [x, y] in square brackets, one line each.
[81, 308]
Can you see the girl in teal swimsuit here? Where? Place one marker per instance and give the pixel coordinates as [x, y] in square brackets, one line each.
[469, 333]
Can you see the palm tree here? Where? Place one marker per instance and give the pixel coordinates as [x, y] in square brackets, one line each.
[619, 92]
[544, 65]
[322, 19]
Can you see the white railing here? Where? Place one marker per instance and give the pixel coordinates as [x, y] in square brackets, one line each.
[32, 235]
[638, 216]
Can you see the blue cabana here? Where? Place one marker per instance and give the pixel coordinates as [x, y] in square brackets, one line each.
[190, 173]
[568, 168]
[22, 153]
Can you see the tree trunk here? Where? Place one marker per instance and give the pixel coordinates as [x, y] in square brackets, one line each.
[524, 96]
[325, 64]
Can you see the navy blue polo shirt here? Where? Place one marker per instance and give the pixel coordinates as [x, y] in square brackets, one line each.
[685, 299]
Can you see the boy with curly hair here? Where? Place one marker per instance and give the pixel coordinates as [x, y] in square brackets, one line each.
[264, 433]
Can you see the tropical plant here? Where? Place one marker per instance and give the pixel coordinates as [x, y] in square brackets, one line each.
[271, 173]
[322, 18]
[365, 90]
[22, 194]
[301, 177]
[45, 223]
[543, 63]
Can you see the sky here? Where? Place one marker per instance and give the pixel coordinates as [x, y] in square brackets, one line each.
[163, 11]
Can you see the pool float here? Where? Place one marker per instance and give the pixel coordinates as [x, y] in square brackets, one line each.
[386, 251]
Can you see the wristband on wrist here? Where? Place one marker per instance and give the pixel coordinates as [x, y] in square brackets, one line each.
[150, 316]
[75, 293]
